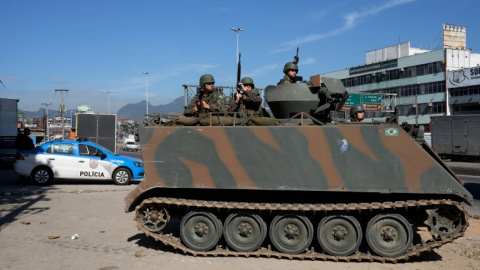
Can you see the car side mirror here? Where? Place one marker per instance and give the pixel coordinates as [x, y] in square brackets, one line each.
[103, 156]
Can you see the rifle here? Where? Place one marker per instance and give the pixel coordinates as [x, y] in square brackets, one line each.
[295, 61]
[239, 72]
[199, 99]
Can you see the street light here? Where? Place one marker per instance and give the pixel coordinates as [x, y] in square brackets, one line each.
[236, 30]
[108, 102]
[146, 86]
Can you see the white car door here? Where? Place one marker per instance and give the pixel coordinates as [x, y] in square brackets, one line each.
[91, 165]
[61, 158]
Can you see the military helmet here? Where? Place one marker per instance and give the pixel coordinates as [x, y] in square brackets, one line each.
[206, 78]
[288, 66]
[248, 80]
[356, 108]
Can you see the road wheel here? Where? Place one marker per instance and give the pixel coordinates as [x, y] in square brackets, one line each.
[389, 235]
[200, 231]
[122, 176]
[291, 234]
[339, 235]
[244, 232]
[42, 176]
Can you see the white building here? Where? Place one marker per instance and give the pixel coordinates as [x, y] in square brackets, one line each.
[419, 79]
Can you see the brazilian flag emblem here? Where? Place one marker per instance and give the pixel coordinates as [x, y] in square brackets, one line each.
[391, 131]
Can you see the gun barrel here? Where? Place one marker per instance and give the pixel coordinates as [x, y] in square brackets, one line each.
[239, 67]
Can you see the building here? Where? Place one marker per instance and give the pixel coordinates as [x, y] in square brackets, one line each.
[419, 79]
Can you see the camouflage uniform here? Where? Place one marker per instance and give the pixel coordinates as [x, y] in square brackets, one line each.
[214, 100]
[286, 80]
[249, 106]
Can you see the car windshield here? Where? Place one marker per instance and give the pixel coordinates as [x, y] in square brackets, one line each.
[131, 143]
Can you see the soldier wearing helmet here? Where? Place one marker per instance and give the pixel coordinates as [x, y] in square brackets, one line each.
[206, 100]
[290, 69]
[247, 100]
[357, 113]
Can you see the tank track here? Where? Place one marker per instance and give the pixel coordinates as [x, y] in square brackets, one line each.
[414, 251]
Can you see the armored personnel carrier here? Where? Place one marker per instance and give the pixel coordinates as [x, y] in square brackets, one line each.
[304, 185]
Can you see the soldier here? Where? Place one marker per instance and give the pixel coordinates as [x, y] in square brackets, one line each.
[247, 100]
[357, 113]
[206, 100]
[290, 69]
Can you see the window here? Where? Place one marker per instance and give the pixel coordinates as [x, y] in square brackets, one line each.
[64, 149]
[88, 150]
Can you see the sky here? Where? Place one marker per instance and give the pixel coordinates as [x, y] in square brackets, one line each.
[93, 47]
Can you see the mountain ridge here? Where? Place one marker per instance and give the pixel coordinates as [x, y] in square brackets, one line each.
[134, 111]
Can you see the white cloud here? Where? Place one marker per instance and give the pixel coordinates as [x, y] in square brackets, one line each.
[259, 71]
[197, 67]
[350, 21]
[307, 61]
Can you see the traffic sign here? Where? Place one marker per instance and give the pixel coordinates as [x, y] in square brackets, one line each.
[353, 99]
[372, 98]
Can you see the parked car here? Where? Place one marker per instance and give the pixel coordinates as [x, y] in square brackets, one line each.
[76, 160]
[130, 145]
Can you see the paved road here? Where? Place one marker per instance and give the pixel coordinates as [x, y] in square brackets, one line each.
[108, 238]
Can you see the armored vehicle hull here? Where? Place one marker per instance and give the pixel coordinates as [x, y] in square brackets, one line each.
[336, 191]
[301, 188]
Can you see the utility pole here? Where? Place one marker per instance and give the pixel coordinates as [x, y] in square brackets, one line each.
[62, 110]
[47, 133]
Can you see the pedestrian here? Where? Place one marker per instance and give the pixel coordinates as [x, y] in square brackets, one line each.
[206, 100]
[290, 69]
[357, 113]
[247, 100]
[23, 141]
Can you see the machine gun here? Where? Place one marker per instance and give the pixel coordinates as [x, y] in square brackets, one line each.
[295, 58]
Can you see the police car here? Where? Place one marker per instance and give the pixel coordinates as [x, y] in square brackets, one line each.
[76, 160]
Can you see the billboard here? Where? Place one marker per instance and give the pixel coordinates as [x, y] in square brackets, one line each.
[463, 77]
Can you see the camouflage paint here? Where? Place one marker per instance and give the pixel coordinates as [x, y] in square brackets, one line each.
[306, 158]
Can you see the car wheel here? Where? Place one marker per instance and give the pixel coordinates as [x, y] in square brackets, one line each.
[122, 176]
[42, 176]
